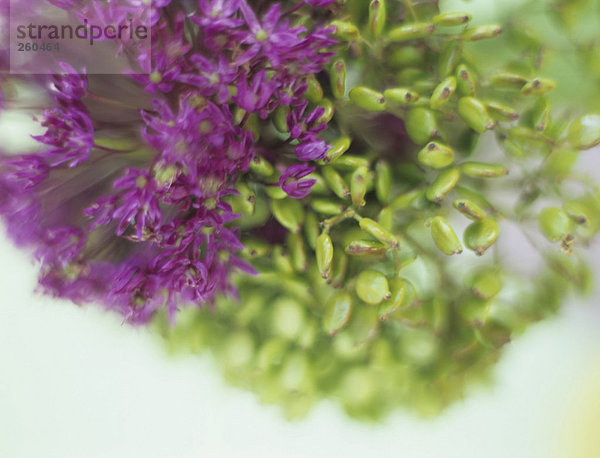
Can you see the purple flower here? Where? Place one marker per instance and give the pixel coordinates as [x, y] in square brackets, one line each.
[311, 148]
[290, 180]
[127, 200]
[71, 134]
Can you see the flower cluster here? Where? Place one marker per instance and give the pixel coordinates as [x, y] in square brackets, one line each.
[129, 201]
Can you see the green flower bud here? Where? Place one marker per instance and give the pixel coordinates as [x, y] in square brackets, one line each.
[470, 209]
[501, 111]
[465, 81]
[508, 81]
[365, 248]
[531, 139]
[436, 155]
[337, 78]
[411, 31]
[443, 92]
[324, 253]
[338, 311]
[397, 300]
[538, 86]
[451, 19]
[410, 76]
[482, 32]
[540, 115]
[280, 119]
[297, 250]
[474, 310]
[405, 56]
[289, 213]
[335, 182]
[579, 210]
[349, 163]
[379, 232]
[386, 218]
[486, 284]
[314, 91]
[383, 181]
[585, 211]
[358, 186]
[245, 201]
[442, 185]
[271, 353]
[377, 17]
[444, 236]
[481, 235]
[406, 199]
[320, 187]
[338, 147]
[474, 113]
[327, 105]
[512, 147]
[251, 124]
[261, 167]
[558, 165]
[282, 261]
[311, 229]
[338, 269]
[344, 30]
[238, 350]
[275, 192]
[400, 95]
[287, 318]
[327, 206]
[367, 99]
[483, 170]
[555, 224]
[372, 287]
[450, 56]
[474, 197]
[584, 132]
[255, 248]
[421, 125]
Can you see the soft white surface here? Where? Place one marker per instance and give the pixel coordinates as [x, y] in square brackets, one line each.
[75, 383]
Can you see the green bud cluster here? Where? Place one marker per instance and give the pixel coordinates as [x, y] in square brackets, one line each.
[394, 285]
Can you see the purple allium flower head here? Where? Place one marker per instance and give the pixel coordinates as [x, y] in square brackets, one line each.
[127, 200]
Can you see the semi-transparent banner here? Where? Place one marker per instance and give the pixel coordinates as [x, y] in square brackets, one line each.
[75, 36]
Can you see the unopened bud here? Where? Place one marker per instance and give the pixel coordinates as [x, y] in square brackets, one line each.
[367, 99]
[324, 254]
[372, 287]
[411, 31]
[377, 17]
[444, 236]
[358, 186]
[335, 182]
[481, 235]
[338, 311]
[436, 155]
[421, 125]
[379, 232]
[483, 170]
[482, 32]
[451, 19]
[289, 213]
[442, 185]
[474, 113]
[443, 92]
[470, 209]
